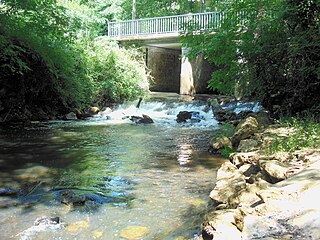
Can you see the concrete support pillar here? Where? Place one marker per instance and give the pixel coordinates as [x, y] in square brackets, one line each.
[186, 75]
[165, 69]
[195, 74]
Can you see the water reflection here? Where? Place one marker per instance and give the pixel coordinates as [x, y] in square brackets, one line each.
[184, 153]
[112, 176]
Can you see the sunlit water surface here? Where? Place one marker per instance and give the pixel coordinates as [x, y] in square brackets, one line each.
[155, 176]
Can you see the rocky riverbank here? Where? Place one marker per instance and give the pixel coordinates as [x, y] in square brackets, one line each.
[259, 195]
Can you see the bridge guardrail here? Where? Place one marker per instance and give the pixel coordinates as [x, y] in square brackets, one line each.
[165, 25]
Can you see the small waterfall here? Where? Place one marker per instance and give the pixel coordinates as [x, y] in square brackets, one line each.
[162, 112]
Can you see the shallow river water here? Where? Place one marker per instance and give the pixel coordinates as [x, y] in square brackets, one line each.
[152, 179]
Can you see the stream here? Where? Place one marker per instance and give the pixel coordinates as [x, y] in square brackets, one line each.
[146, 180]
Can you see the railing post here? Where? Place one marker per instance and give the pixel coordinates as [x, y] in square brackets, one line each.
[157, 25]
[138, 28]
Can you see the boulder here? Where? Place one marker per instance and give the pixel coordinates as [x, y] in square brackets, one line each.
[244, 114]
[70, 116]
[241, 158]
[249, 169]
[224, 115]
[260, 227]
[145, 119]
[39, 114]
[83, 116]
[220, 143]
[194, 116]
[230, 182]
[221, 225]
[244, 130]
[183, 116]
[226, 170]
[248, 145]
[247, 196]
[276, 170]
[214, 103]
[105, 112]
[93, 110]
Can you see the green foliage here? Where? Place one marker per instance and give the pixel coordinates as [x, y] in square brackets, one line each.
[226, 151]
[89, 17]
[231, 47]
[288, 60]
[117, 73]
[306, 134]
[159, 8]
[226, 130]
[266, 49]
[38, 54]
[50, 63]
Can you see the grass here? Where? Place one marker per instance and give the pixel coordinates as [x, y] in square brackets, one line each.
[306, 135]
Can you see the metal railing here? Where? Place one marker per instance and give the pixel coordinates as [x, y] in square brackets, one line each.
[165, 25]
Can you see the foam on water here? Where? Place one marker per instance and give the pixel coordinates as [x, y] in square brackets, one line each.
[162, 113]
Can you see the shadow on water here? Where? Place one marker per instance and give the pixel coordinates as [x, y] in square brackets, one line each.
[39, 164]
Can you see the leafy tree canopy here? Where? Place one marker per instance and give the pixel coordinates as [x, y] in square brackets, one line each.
[267, 49]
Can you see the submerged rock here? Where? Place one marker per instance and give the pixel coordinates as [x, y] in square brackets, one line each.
[70, 198]
[134, 232]
[8, 191]
[41, 224]
[75, 227]
[46, 221]
[96, 234]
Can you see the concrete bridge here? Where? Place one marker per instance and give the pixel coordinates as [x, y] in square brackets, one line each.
[171, 69]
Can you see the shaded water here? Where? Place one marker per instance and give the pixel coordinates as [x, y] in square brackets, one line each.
[157, 176]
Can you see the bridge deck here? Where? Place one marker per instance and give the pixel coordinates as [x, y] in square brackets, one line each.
[163, 27]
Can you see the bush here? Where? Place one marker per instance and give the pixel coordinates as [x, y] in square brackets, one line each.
[41, 66]
[117, 73]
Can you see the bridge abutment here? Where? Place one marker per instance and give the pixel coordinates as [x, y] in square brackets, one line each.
[201, 74]
[172, 71]
[165, 67]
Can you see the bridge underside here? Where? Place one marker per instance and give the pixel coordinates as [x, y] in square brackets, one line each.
[171, 70]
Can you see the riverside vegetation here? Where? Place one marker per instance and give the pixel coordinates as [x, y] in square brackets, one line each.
[52, 61]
